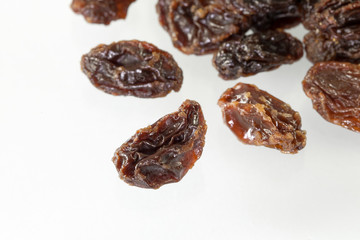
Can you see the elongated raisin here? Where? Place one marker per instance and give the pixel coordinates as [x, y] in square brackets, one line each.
[258, 118]
[258, 52]
[334, 88]
[164, 151]
[101, 11]
[132, 68]
[199, 26]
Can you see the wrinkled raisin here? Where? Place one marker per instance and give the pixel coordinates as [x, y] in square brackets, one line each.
[132, 68]
[334, 88]
[258, 118]
[335, 30]
[199, 26]
[164, 151]
[258, 52]
[101, 11]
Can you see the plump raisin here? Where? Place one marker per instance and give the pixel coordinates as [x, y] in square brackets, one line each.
[334, 88]
[199, 26]
[101, 11]
[335, 30]
[258, 118]
[132, 68]
[258, 52]
[164, 151]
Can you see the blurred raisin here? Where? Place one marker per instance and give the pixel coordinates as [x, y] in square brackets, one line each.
[335, 30]
[164, 151]
[258, 52]
[334, 88]
[101, 11]
[273, 14]
[258, 118]
[199, 26]
[132, 68]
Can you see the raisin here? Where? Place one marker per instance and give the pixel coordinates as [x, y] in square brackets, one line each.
[101, 11]
[199, 26]
[335, 30]
[258, 118]
[334, 88]
[321, 47]
[273, 14]
[132, 68]
[164, 151]
[258, 52]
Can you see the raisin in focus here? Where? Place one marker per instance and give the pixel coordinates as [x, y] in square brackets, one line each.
[258, 52]
[258, 118]
[164, 151]
[132, 68]
[101, 11]
[199, 26]
[334, 88]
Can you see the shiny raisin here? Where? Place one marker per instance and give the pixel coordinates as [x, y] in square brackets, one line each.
[334, 88]
[199, 26]
[101, 11]
[258, 52]
[258, 118]
[132, 68]
[164, 151]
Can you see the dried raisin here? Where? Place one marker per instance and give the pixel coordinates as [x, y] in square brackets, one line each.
[132, 68]
[258, 52]
[258, 118]
[164, 151]
[199, 26]
[334, 88]
[101, 11]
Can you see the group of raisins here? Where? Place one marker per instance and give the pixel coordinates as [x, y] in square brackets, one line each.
[246, 37]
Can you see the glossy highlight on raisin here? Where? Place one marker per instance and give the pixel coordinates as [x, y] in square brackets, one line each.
[101, 11]
[164, 151]
[258, 118]
[334, 89]
[258, 52]
[132, 68]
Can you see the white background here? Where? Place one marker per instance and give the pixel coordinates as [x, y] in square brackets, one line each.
[58, 134]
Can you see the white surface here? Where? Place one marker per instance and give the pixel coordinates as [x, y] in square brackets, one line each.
[58, 134]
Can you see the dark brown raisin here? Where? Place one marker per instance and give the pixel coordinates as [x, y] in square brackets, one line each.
[164, 151]
[101, 11]
[334, 88]
[258, 118]
[258, 52]
[321, 47]
[132, 68]
[335, 31]
[273, 14]
[199, 26]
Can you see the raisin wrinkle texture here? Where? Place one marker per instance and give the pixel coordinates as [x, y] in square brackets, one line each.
[334, 89]
[133, 68]
[164, 151]
[258, 118]
[258, 52]
[199, 26]
[101, 11]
